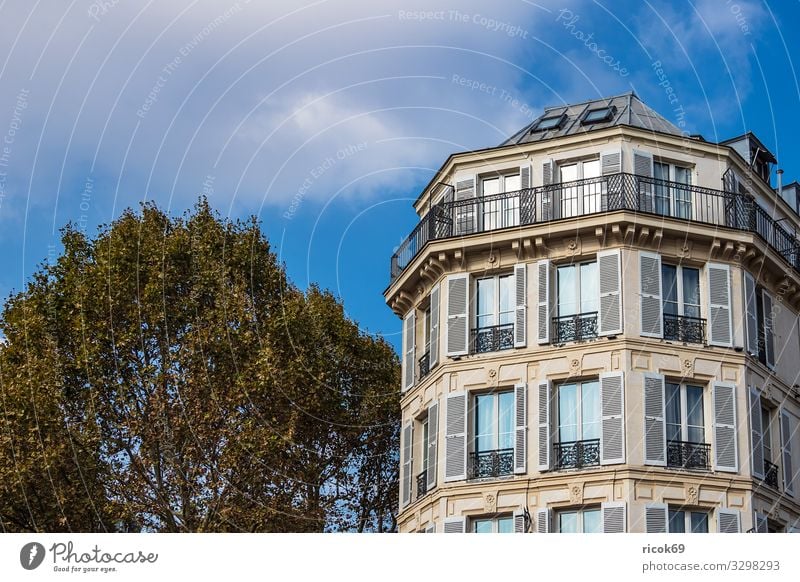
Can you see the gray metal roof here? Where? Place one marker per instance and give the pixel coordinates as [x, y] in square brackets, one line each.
[628, 109]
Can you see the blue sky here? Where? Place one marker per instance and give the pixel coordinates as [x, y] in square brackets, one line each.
[326, 118]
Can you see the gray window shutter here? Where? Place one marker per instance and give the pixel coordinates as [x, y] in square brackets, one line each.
[610, 284]
[520, 428]
[612, 405]
[455, 438]
[434, 329]
[409, 324]
[786, 441]
[406, 479]
[756, 444]
[519, 521]
[760, 522]
[525, 176]
[769, 336]
[433, 438]
[543, 520]
[643, 166]
[431, 528]
[655, 428]
[719, 305]
[455, 525]
[728, 520]
[465, 214]
[543, 390]
[750, 299]
[547, 172]
[457, 315]
[651, 308]
[611, 162]
[543, 301]
[656, 518]
[613, 517]
[548, 194]
[520, 297]
[726, 457]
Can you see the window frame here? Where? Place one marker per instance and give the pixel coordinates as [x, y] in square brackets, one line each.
[581, 194]
[672, 177]
[494, 521]
[580, 525]
[680, 292]
[559, 119]
[766, 431]
[495, 395]
[608, 110]
[496, 313]
[684, 410]
[578, 265]
[579, 409]
[687, 518]
[505, 211]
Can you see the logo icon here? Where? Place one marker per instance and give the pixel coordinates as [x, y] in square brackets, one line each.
[31, 555]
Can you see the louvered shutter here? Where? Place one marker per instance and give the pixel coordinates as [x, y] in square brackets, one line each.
[643, 166]
[457, 312]
[543, 301]
[543, 390]
[611, 166]
[409, 323]
[612, 405]
[651, 308]
[756, 444]
[465, 212]
[433, 437]
[728, 520]
[525, 176]
[527, 199]
[656, 518]
[786, 442]
[611, 162]
[760, 522]
[613, 517]
[726, 457]
[548, 193]
[610, 285]
[455, 525]
[655, 430]
[406, 480]
[769, 336]
[520, 428]
[519, 521]
[434, 327]
[750, 299]
[431, 528]
[455, 438]
[543, 520]
[520, 296]
[719, 304]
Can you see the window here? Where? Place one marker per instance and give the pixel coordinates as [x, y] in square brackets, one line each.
[681, 300]
[597, 115]
[766, 433]
[671, 199]
[578, 425]
[494, 317]
[502, 524]
[686, 439]
[681, 521]
[548, 123]
[584, 198]
[494, 435]
[578, 293]
[500, 211]
[579, 521]
[425, 360]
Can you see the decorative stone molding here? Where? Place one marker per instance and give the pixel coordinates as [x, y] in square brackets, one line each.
[490, 503]
[576, 493]
[688, 367]
[691, 493]
[575, 367]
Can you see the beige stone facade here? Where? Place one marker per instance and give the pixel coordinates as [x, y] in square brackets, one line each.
[742, 355]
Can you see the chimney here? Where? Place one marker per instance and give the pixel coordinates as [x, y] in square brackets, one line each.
[780, 182]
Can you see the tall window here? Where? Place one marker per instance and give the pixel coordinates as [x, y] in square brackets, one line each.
[766, 433]
[584, 198]
[494, 421]
[495, 301]
[500, 211]
[577, 288]
[579, 521]
[425, 436]
[684, 404]
[579, 411]
[672, 199]
[681, 521]
[426, 323]
[504, 524]
[681, 289]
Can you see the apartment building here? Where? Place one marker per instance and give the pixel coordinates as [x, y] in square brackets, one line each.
[600, 333]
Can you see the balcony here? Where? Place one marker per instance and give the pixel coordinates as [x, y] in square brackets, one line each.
[425, 365]
[575, 328]
[681, 328]
[456, 218]
[687, 455]
[492, 338]
[771, 474]
[422, 484]
[491, 463]
[577, 454]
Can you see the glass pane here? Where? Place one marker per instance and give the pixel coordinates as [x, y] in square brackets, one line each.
[691, 292]
[569, 195]
[590, 410]
[673, 411]
[482, 526]
[766, 432]
[694, 414]
[486, 302]
[699, 522]
[491, 186]
[506, 420]
[669, 288]
[425, 445]
[683, 175]
[677, 521]
[661, 172]
[589, 288]
[505, 525]
[513, 183]
[485, 423]
[568, 522]
[568, 413]
[567, 290]
[591, 521]
[506, 300]
[569, 173]
[683, 196]
[591, 169]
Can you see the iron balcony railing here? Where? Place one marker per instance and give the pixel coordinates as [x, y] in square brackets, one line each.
[771, 474]
[422, 484]
[491, 463]
[575, 328]
[682, 328]
[425, 365]
[688, 455]
[492, 338]
[454, 218]
[577, 454]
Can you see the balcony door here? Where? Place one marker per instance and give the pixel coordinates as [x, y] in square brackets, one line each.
[579, 411]
[670, 198]
[580, 198]
[494, 316]
[500, 201]
[578, 297]
[494, 435]
[681, 302]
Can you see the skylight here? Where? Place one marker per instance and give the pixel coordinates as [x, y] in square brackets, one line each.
[597, 115]
[549, 123]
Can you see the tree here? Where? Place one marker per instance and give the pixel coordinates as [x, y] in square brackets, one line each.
[165, 375]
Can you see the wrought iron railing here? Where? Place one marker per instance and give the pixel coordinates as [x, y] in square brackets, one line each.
[682, 328]
[491, 463]
[422, 484]
[771, 474]
[492, 338]
[688, 455]
[425, 365]
[575, 328]
[577, 454]
[453, 218]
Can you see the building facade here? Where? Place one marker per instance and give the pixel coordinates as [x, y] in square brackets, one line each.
[600, 333]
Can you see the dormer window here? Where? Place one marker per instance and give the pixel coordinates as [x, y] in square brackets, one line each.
[548, 123]
[597, 115]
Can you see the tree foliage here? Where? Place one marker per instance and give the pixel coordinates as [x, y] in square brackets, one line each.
[166, 376]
